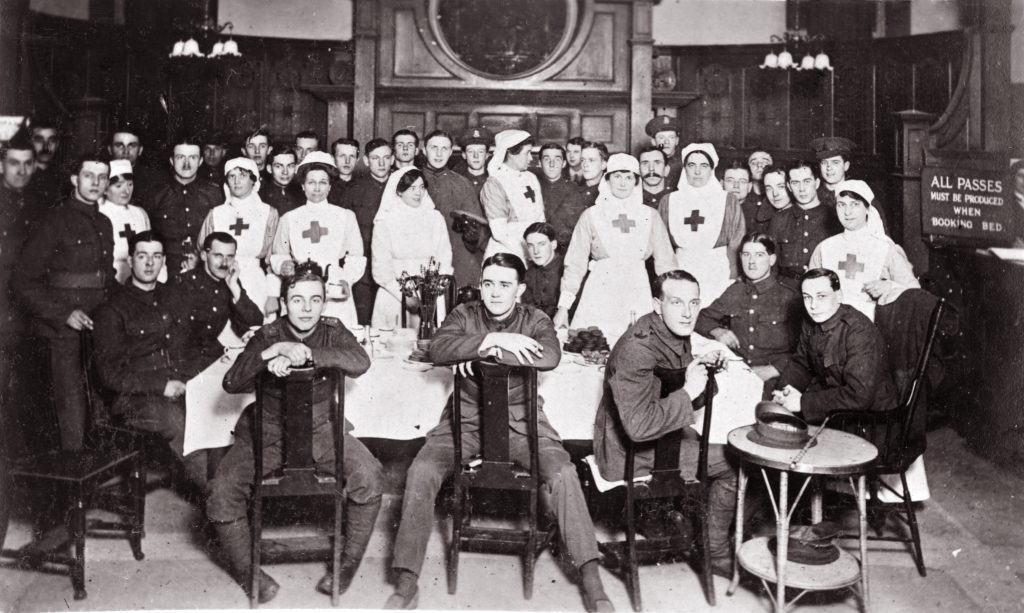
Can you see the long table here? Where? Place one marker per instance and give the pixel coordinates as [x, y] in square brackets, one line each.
[402, 400]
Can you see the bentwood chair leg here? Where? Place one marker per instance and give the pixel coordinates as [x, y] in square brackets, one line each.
[78, 568]
[915, 533]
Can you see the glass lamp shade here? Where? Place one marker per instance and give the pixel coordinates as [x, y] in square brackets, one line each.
[179, 49]
[192, 48]
[785, 59]
[770, 61]
[807, 63]
[218, 49]
[822, 62]
[231, 48]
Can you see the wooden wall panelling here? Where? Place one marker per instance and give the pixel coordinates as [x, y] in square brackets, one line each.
[765, 123]
[810, 107]
[412, 56]
[854, 107]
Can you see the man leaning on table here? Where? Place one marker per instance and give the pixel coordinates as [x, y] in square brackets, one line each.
[512, 333]
[633, 409]
[299, 338]
[840, 361]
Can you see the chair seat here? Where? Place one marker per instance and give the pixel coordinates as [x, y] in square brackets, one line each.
[70, 466]
[602, 484]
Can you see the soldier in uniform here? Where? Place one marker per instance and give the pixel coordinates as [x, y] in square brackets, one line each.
[133, 331]
[544, 270]
[346, 156]
[652, 176]
[65, 271]
[177, 210]
[405, 143]
[758, 160]
[215, 148]
[306, 142]
[18, 211]
[757, 317]
[573, 149]
[452, 192]
[514, 334]
[632, 408]
[126, 145]
[473, 165]
[363, 198]
[798, 229]
[303, 336]
[840, 361]
[563, 202]
[593, 162]
[258, 147]
[664, 133]
[49, 184]
[833, 154]
[204, 300]
[281, 192]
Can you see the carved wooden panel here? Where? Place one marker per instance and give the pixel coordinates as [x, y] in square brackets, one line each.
[604, 123]
[595, 56]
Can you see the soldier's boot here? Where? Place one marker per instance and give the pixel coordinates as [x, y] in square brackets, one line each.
[235, 541]
[359, 522]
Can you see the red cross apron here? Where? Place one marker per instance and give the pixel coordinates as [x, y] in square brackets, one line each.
[247, 224]
[617, 286]
[695, 224]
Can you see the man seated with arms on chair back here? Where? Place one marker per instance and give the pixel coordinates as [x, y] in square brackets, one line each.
[300, 338]
[840, 361]
[563, 202]
[515, 334]
[133, 331]
[632, 408]
[207, 298]
[757, 317]
[652, 172]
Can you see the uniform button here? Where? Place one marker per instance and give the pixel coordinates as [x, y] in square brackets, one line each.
[755, 296]
[805, 234]
[192, 317]
[214, 309]
[774, 322]
[751, 347]
[751, 311]
[805, 251]
[751, 329]
[807, 216]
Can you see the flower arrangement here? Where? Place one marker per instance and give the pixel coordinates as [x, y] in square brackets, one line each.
[426, 286]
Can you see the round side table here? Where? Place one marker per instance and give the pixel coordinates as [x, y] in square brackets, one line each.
[835, 454]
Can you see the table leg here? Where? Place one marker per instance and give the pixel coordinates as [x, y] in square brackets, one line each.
[816, 501]
[862, 507]
[781, 542]
[741, 488]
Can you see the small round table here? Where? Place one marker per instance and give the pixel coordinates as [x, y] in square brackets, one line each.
[835, 454]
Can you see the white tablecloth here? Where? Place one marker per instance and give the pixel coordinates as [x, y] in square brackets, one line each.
[396, 399]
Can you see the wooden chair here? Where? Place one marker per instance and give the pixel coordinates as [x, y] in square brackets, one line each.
[298, 475]
[896, 434]
[494, 470]
[665, 482]
[76, 476]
